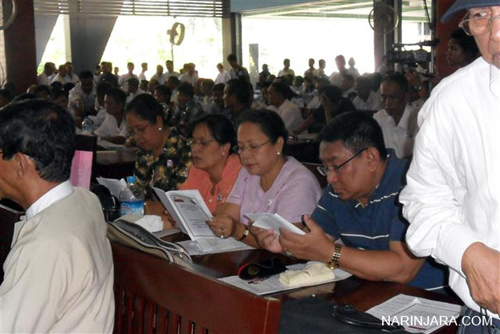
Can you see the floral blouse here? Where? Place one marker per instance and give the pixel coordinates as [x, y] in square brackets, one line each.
[168, 170]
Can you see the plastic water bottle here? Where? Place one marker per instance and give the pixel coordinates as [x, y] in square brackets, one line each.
[131, 198]
[87, 126]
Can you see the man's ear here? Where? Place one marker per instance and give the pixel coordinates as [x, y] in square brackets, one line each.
[373, 158]
[23, 164]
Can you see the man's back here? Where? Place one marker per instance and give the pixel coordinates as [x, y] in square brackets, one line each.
[59, 272]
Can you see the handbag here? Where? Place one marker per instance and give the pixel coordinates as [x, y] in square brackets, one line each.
[135, 236]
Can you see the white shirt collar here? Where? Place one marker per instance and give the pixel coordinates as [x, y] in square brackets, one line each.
[53, 195]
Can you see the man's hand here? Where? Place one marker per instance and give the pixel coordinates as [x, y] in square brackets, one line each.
[481, 266]
[267, 239]
[315, 245]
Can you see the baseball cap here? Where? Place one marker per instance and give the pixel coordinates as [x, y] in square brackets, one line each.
[466, 4]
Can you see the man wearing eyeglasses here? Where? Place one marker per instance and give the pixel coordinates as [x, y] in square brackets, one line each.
[452, 199]
[359, 208]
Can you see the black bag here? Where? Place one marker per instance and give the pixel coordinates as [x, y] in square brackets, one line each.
[135, 236]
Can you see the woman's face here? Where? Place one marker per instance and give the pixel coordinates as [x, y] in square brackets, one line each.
[258, 155]
[455, 55]
[207, 153]
[146, 135]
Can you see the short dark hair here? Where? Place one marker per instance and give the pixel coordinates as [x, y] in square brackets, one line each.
[186, 88]
[283, 89]
[42, 89]
[58, 93]
[6, 94]
[118, 95]
[231, 58]
[270, 123]
[356, 130]
[163, 89]
[467, 43]
[219, 87]
[43, 131]
[175, 80]
[240, 89]
[103, 88]
[133, 82]
[145, 107]
[399, 79]
[220, 127]
[85, 74]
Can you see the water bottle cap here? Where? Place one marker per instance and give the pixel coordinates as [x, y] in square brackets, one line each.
[131, 179]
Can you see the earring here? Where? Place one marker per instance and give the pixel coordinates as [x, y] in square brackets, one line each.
[159, 129]
[278, 153]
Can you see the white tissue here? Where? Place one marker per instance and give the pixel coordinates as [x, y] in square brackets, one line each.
[152, 223]
[313, 273]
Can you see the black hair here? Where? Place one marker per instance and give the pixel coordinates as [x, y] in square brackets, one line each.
[85, 74]
[43, 131]
[42, 89]
[231, 58]
[356, 130]
[467, 43]
[68, 86]
[6, 94]
[186, 88]
[118, 95]
[399, 79]
[145, 107]
[220, 127]
[283, 89]
[163, 89]
[58, 93]
[103, 88]
[133, 82]
[175, 80]
[218, 87]
[270, 123]
[240, 89]
[332, 93]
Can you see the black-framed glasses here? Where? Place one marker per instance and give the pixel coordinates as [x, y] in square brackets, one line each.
[336, 168]
[479, 24]
[202, 142]
[252, 148]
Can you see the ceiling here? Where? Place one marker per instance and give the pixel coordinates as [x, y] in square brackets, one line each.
[413, 10]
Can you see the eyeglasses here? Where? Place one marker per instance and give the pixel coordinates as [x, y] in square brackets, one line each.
[252, 148]
[202, 142]
[336, 168]
[479, 24]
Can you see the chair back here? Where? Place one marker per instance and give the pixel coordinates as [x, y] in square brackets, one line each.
[82, 166]
[314, 169]
[10, 214]
[155, 296]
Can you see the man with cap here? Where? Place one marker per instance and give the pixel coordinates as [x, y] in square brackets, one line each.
[452, 197]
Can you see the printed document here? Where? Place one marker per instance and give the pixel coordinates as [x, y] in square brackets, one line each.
[272, 221]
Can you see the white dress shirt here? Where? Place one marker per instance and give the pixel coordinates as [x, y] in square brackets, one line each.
[290, 114]
[452, 199]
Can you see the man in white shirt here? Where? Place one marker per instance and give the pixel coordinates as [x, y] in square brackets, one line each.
[452, 199]
[398, 119]
[190, 76]
[71, 76]
[287, 110]
[170, 71]
[45, 78]
[223, 76]
[132, 90]
[82, 96]
[336, 77]
[142, 75]
[286, 69]
[366, 99]
[158, 76]
[122, 80]
[114, 129]
[61, 75]
[59, 271]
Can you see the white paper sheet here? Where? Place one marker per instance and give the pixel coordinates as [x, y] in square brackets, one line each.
[272, 221]
[213, 246]
[273, 284]
[115, 186]
[417, 315]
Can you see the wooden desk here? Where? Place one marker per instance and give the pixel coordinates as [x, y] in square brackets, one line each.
[115, 164]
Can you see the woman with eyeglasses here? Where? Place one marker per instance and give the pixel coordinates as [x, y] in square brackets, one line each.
[163, 157]
[215, 169]
[269, 182]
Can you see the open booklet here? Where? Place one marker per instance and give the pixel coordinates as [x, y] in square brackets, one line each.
[190, 212]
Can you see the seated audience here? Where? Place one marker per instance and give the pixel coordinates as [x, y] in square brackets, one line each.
[269, 182]
[114, 128]
[217, 104]
[288, 111]
[162, 94]
[186, 109]
[163, 156]
[59, 271]
[360, 209]
[82, 96]
[237, 100]
[102, 89]
[398, 119]
[462, 49]
[132, 89]
[347, 86]
[212, 138]
[366, 99]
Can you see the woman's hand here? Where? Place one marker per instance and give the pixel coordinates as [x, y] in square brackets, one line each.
[267, 239]
[223, 225]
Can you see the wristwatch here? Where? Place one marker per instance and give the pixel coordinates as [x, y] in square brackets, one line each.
[335, 259]
[245, 233]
